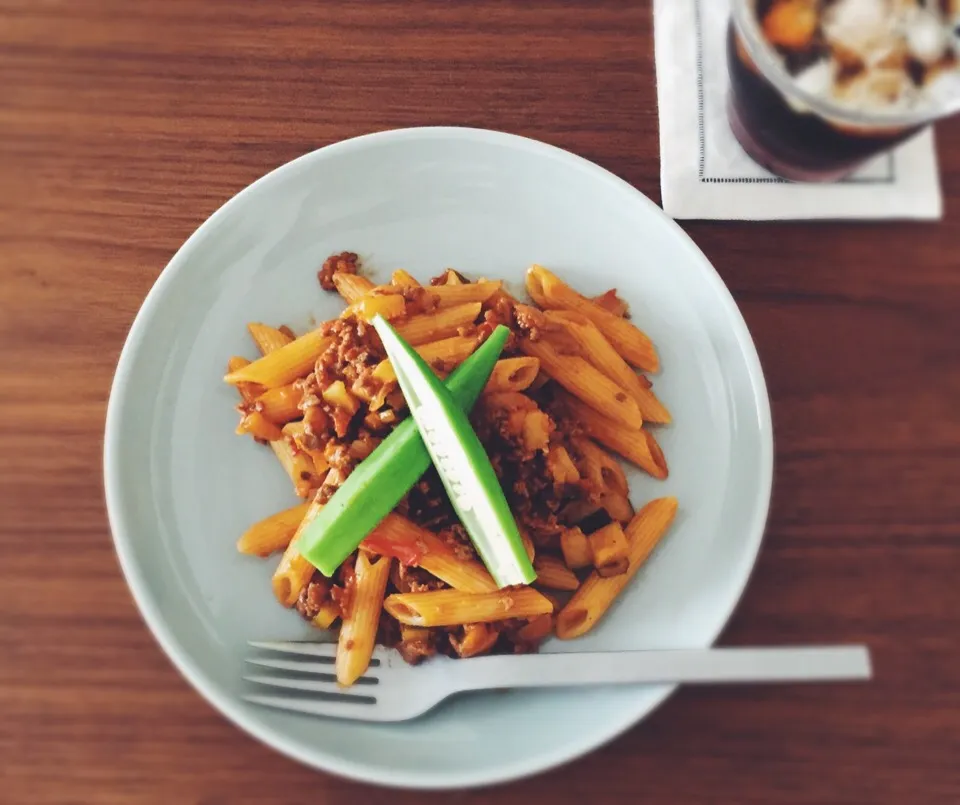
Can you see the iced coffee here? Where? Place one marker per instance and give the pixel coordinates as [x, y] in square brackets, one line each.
[819, 86]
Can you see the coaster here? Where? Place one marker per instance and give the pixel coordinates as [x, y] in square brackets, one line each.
[705, 174]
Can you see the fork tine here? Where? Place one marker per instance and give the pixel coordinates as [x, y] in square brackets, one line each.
[328, 650]
[341, 708]
[320, 651]
[326, 676]
[326, 685]
[300, 666]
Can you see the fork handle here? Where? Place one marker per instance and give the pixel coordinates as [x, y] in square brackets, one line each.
[720, 665]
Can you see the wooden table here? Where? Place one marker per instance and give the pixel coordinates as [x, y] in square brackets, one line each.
[123, 125]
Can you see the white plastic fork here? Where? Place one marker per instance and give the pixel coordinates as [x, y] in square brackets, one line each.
[392, 690]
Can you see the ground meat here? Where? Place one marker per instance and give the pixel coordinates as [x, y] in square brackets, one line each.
[342, 593]
[316, 427]
[409, 579]
[427, 503]
[354, 354]
[500, 311]
[312, 597]
[345, 262]
[419, 300]
[530, 320]
[388, 630]
[415, 651]
[456, 537]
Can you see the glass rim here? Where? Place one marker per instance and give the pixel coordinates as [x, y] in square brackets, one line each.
[762, 53]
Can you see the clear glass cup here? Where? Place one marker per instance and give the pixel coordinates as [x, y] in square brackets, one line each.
[800, 135]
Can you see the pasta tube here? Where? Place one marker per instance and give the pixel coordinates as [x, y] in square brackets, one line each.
[554, 574]
[358, 632]
[601, 353]
[512, 374]
[634, 444]
[281, 404]
[294, 572]
[454, 608]
[352, 287]
[451, 295]
[267, 338]
[284, 365]
[549, 291]
[440, 324]
[586, 382]
[273, 533]
[596, 594]
[447, 352]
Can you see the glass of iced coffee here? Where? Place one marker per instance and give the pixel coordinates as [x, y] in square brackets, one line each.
[820, 86]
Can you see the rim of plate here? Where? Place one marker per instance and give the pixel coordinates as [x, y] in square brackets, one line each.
[226, 704]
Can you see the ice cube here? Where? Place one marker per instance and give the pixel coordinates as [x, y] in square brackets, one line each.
[817, 79]
[926, 36]
[864, 27]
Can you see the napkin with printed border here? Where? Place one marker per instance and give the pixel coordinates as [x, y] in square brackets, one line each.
[705, 174]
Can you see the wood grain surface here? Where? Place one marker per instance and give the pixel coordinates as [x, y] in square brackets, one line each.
[123, 125]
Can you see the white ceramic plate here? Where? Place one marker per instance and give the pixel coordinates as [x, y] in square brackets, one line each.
[181, 487]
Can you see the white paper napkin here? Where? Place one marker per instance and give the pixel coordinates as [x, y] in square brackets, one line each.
[704, 173]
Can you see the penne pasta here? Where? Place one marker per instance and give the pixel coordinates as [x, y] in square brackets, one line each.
[612, 303]
[447, 352]
[268, 339]
[596, 594]
[618, 507]
[439, 324]
[601, 469]
[248, 391]
[409, 634]
[358, 632]
[273, 533]
[554, 574]
[283, 365]
[586, 382]
[549, 291]
[611, 554]
[398, 537]
[327, 616]
[582, 361]
[258, 426]
[576, 548]
[537, 629]
[395, 537]
[461, 293]
[561, 466]
[304, 470]
[390, 306]
[280, 405]
[455, 608]
[294, 572]
[478, 638]
[512, 374]
[528, 545]
[403, 279]
[656, 453]
[298, 466]
[601, 353]
[352, 287]
[634, 444]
